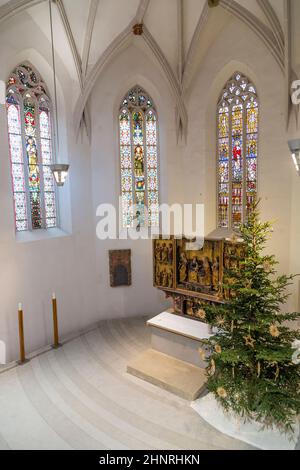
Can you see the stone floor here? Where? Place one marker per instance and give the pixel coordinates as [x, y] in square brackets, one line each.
[80, 397]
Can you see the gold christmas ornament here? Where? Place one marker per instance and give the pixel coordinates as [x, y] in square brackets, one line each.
[201, 313]
[249, 341]
[221, 392]
[274, 331]
[220, 321]
[218, 349]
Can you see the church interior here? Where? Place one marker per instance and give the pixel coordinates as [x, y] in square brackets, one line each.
[111, 339]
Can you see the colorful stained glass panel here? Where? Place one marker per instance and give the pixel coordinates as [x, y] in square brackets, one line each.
[152, 168]
[18, 177]
[237, 174]
[138, 158]
[16, 150]
[223, 205]
[44, 124]
[137, 128]
[252, 146]
[237, 166]
[46, 151]
[223, 122]
[48, 179]
[26, 87]
[20, 208]
[223, 170]
[35, 204]
[17, 167]
[252, 117]
[13, 118]
[237, 120]
[139, 166]
[50, 208]
[32, 163]
[126, 169]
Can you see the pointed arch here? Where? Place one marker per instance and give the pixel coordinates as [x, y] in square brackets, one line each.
[138, 137]
[29, 117]
[259, 28]
[237, 151]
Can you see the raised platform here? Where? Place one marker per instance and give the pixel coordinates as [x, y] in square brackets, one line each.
[179, 337]
[251, 432]
[174, 362]
[169, 373]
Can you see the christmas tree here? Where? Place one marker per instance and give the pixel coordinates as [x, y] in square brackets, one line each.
[254, 367]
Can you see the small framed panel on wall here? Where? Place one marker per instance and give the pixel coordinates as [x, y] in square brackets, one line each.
[120, 268]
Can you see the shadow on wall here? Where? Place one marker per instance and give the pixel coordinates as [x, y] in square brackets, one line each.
[2, 352]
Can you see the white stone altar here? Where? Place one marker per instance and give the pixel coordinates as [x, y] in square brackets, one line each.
[173, 362]
[179, 337]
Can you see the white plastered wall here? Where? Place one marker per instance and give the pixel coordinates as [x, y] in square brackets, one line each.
[72, 262]
[75, 266]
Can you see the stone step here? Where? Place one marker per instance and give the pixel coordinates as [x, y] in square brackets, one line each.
[181, 378]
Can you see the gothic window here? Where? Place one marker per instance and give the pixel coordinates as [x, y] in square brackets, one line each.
[138, 134]
[237, 125]
[30, 145]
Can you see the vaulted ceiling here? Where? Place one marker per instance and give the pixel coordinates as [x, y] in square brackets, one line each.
[92, 25]
[91, 31]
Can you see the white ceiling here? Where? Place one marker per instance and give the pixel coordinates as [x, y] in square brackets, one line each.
[161, 18]
[178, 32]
[111, 18]
[77, 13]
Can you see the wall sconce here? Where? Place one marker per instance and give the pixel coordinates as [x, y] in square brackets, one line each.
[294, 146]
[60, 172]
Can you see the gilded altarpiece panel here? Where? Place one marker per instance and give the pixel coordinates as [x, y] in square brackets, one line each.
[194, 277]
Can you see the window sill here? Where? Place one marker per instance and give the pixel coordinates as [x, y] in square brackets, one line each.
[38, 235]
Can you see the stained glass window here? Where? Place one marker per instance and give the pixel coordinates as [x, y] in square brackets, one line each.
[30, 143]
[139, 159]
[237, 123]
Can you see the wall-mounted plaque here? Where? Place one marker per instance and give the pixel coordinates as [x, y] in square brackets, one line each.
[120, 267]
